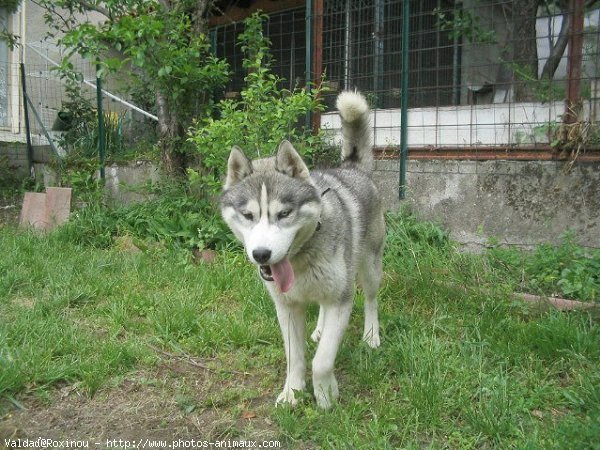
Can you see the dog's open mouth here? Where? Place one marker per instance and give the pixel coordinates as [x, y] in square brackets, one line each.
[281, 273]
[265, 273]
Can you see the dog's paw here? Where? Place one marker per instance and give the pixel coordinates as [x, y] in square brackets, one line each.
[372, 339]
[286, 398]
[327, 393]
[316, 335]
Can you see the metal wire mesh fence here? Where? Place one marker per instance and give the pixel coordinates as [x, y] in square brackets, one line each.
[491, 79]
[285, 30]
[46, 88]
[486, 79]
[58, 116]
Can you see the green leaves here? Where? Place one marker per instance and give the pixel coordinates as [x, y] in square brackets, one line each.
[159, 43]
[264, 115]
[464, 23]
[163, 71]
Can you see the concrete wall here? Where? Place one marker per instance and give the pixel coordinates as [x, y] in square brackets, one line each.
[518, 202]
[122, 182]
[13, 157]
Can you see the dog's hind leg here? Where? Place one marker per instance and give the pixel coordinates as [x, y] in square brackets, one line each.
[316, 335]
[335, 320]
[292, 322]
[369, 277]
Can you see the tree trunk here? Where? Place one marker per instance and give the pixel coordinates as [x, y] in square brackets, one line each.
[199, 16]
[525, 58]
[170, 134]
[171, 124]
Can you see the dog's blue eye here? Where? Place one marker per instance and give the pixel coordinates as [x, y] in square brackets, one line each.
[283, 214]
[248, 216]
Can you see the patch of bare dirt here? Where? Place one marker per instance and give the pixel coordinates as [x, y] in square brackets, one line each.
[174, 400]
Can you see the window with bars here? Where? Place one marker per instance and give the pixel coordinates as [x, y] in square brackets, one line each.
[362, 42]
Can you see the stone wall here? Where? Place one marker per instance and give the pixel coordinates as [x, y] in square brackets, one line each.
[517, 202]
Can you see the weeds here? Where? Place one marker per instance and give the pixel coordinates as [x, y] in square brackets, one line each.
[79, 122]
[173, 215]
[566, 269]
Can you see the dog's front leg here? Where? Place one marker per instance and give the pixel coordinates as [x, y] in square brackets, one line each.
[316, 335]
[292, 318]
[335, 320]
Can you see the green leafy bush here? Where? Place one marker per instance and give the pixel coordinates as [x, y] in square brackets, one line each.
[175, 215]
[264, 115]
[566, 269]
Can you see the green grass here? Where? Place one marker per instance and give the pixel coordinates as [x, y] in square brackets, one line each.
[462, 365]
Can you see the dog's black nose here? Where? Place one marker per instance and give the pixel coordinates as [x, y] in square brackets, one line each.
[261, 255]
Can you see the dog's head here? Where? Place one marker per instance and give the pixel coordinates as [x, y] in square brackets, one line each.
[273, 207]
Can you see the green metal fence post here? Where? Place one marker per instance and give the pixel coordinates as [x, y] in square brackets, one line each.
[378, 63]
[309, 52]
[101, 141]
[213, 42]
[404, 100]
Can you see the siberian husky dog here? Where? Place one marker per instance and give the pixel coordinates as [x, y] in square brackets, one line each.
[311, 236]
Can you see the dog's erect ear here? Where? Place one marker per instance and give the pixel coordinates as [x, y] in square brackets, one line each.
[288, 161]
[238, 167]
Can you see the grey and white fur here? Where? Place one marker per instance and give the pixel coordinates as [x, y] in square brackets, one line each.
[312, 234]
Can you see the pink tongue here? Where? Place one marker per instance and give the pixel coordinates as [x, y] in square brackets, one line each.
[283, 275]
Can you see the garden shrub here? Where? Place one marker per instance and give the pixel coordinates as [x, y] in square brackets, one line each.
[261, 118]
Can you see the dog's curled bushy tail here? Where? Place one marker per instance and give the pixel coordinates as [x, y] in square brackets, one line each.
[356, 130]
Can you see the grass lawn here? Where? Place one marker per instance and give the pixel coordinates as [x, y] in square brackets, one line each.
[119, 344]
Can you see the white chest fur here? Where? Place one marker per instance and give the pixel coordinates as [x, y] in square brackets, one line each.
[320, 280]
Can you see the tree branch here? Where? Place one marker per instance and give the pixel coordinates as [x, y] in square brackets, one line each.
[51, 9]
[98, 8]
[558, 49]
[199, 15]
